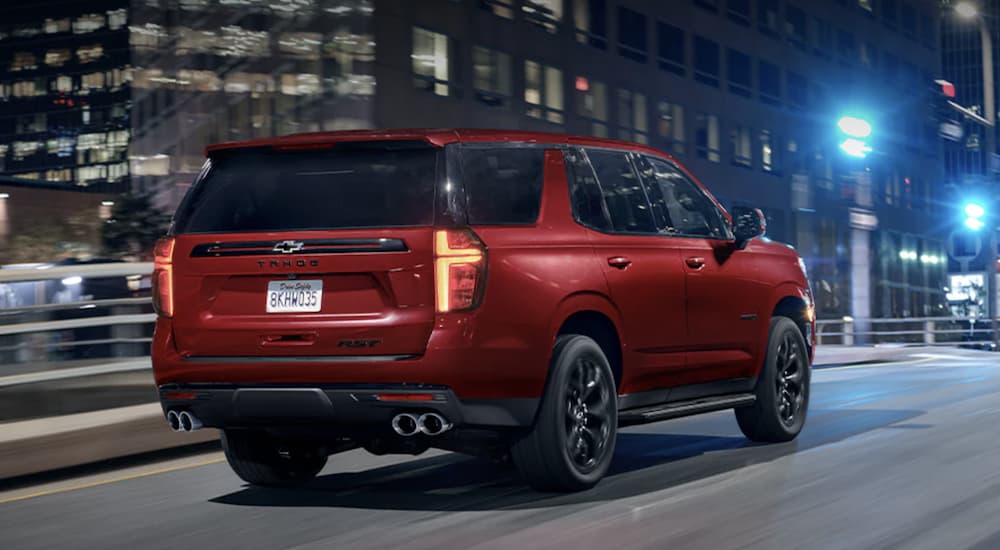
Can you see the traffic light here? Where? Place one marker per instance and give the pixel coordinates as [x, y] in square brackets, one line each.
[974, 214]
[949, 123]
[854, 130]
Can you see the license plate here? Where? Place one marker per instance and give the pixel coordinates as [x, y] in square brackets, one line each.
[294, 296]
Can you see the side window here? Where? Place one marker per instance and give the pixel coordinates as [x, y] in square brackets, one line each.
[585, 192]
[503, 185]
[623, 193]
[681, 207]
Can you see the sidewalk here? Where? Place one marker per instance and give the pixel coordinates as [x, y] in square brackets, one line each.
[836, 355]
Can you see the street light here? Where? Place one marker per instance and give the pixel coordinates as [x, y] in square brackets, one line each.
[855, 130]
[974, 213]
[966, 10]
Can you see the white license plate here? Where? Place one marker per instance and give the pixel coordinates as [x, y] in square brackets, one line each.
[294, 296]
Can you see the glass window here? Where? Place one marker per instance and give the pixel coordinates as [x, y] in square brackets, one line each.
[93, 81]
[353, 186]
[888, 10]
[738, 73]
[547, 14]
[682, 207]
[588, 203]
[710, 5]
[89, 54]
[706, 61]
[301, 45]
[632, 124]
[502, 185]
[592, 104]
[491, 73]
[623, 194]
[590, 17]
[300, 84]
[738, 11]
[707, 137]
[823, 38]
[502, 8]
[239, 42]
[670, 51]
[117, 18]
[543, 92]
[908, 19]
[670, 126]
[795, 25]
[770, 152]
[770, 83]
[798, 90]
[847, 47]
[741, 146]
[24, 61]
[55, 26]
[88, 23]
[632, 35]
[767, 17]
[430, 61]
[57, 58]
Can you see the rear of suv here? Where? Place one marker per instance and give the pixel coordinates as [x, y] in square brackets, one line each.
[503, 293]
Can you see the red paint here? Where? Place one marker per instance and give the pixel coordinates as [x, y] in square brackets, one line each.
[683, 308]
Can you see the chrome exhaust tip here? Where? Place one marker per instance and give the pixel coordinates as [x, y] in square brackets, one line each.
[189, 422]
[433, 424]
[405, 424]
[174, 420]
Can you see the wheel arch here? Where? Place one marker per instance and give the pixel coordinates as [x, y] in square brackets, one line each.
[794, 302]
[593, 315]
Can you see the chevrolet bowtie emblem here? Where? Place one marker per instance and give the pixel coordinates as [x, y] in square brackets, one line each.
[288, 247]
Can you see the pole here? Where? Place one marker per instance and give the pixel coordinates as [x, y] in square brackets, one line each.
[990, 112]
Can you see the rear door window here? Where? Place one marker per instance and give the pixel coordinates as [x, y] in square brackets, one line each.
[503, 185]
[680, 205]
[347, 186]
[623, 193]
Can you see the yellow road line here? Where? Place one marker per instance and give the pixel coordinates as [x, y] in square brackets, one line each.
[112, 480]
[883, 364]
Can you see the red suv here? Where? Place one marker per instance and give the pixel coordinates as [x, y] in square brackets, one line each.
[509, 293]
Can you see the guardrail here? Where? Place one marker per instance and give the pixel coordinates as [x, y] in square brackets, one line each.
[934, 331]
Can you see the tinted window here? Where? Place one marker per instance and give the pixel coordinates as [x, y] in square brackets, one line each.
[585, 192]
[350, 185]
[680, 206]
[502, 186]
[623, 194]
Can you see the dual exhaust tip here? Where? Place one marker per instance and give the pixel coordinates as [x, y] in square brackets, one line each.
[407, 424]
[183, 421]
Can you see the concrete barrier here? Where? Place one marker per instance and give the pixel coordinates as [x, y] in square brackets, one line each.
[46, 444]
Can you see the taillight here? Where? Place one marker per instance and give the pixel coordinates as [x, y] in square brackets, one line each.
[163, 277]
[459, 269]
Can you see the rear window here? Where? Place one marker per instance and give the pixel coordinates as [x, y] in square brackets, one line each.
[502, 185]
[351, 185]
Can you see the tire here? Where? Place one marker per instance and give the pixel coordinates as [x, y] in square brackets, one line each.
[571, 444]
[262, 460]
[782, 390]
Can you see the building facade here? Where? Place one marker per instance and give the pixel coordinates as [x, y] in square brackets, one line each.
[746, 93]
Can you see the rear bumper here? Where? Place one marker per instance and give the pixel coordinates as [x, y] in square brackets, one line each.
[337, 407]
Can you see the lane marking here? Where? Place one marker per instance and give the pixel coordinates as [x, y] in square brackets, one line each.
[883, 364]
[112, 480]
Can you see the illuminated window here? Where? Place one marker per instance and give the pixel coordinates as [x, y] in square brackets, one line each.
[54, 26]
[196, 41]
[632, 117]
[194, 5]
[503, 8]
[85, 174]
[770, 152]
[430, 61]
[24, 149]
[64, 174]
[117, 171]
[543, 92]
[148, 78]
[154, 165]
[57, 58]
[348, 47]
[202, 81]
[25, 88]
[300, 84]
[61, 147]
[117, 18]
[491, 74]
[707, 137]
[249, 82]
[63, 84]
[670, 126]
[741, 146]
[590, 19]
[88, 23]
[24, 61]
[592, 104]
[290, 8]
[303, 45]
[26, 32]
[92, 81]
[91, 53]
[148, 36]
[547, 14]
[239, 42]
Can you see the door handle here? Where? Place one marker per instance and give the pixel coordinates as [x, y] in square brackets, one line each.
[620, 262]
[695, 262]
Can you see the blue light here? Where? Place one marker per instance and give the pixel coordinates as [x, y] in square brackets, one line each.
[974, 224]
[855, 147]
[974, 210]
[854, 127]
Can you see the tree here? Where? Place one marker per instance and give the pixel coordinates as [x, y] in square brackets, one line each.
[54, 240]
[133, 228]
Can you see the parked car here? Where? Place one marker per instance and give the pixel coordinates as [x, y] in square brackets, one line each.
[510, 293]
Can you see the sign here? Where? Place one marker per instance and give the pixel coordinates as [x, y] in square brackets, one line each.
[952, 131]
[863, 219]
[964, 245]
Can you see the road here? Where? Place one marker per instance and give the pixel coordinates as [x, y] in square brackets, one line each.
[892, 456]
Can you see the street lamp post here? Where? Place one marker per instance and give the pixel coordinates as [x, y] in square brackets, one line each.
[968, 10]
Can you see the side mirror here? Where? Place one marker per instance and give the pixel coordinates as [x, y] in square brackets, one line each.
[747, 224]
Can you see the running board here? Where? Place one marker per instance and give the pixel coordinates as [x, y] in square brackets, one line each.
[666, 411]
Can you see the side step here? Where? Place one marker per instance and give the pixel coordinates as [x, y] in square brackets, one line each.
[655, 413]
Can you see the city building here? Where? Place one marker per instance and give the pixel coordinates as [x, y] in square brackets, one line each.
[747, 93]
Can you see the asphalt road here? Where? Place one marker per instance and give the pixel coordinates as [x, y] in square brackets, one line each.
[892, 456]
